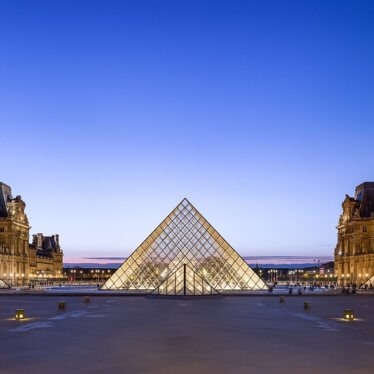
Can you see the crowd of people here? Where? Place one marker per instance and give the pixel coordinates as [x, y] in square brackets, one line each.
[299, 288]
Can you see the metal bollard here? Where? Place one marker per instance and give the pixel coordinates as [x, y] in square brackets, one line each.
[61, 305]
[307, 305]
[282, 300]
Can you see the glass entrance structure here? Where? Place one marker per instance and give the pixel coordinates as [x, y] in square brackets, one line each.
[369, 282]
[185, 282]
[184, 237]
[3, 284]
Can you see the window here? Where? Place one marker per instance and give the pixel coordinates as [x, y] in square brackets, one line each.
[2, 229]
[364, 229]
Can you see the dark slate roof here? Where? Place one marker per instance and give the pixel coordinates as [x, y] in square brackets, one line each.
[365, 195]
[49, 243]
[5, 196]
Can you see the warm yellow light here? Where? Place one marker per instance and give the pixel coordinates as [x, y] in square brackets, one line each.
[20, 314]
[348, 314]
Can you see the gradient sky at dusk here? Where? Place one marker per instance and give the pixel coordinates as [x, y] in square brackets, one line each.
[261, 113]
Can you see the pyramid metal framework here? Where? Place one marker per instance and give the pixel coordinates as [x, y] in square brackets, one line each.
[3, 284]
[185, 282]
[185, 237]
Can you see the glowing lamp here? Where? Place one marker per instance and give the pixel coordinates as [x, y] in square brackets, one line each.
[20, 314]
[348, 314]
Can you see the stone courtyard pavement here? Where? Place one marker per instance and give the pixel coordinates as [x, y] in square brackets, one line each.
[218, 335]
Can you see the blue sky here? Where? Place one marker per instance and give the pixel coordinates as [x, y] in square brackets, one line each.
[259, 112]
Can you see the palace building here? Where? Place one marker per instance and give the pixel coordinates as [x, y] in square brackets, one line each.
[20, 261]
[354, 253]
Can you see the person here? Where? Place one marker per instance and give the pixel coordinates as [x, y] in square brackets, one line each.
[299, 292]
[290, 291]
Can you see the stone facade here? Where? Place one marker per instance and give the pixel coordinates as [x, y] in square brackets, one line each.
[354, 253]
[20, 261]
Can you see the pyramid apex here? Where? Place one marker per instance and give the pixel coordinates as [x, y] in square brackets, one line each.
[184, 201]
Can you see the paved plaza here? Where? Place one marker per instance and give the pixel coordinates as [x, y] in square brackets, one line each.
[216, 335]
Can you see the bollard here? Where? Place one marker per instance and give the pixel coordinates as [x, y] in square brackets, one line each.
[20, 314]
[282, 300]
[307, 305]
[86, 300]
[61, 305]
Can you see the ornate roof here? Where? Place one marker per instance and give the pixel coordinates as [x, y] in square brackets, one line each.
[365, 196]
[5, 197]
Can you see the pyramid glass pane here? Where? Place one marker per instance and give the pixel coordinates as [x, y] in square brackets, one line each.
[184, 282]
[185, 237]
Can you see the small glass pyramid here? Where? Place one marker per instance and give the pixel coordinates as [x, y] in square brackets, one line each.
[185, 237]
[369, 282]
[184, 281]
[3, 284]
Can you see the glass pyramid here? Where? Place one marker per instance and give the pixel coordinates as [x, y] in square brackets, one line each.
[369, 282]
[184, 281]
[3, 284]
[185, 237]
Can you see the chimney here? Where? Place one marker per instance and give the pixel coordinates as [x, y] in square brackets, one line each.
[40, 240]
